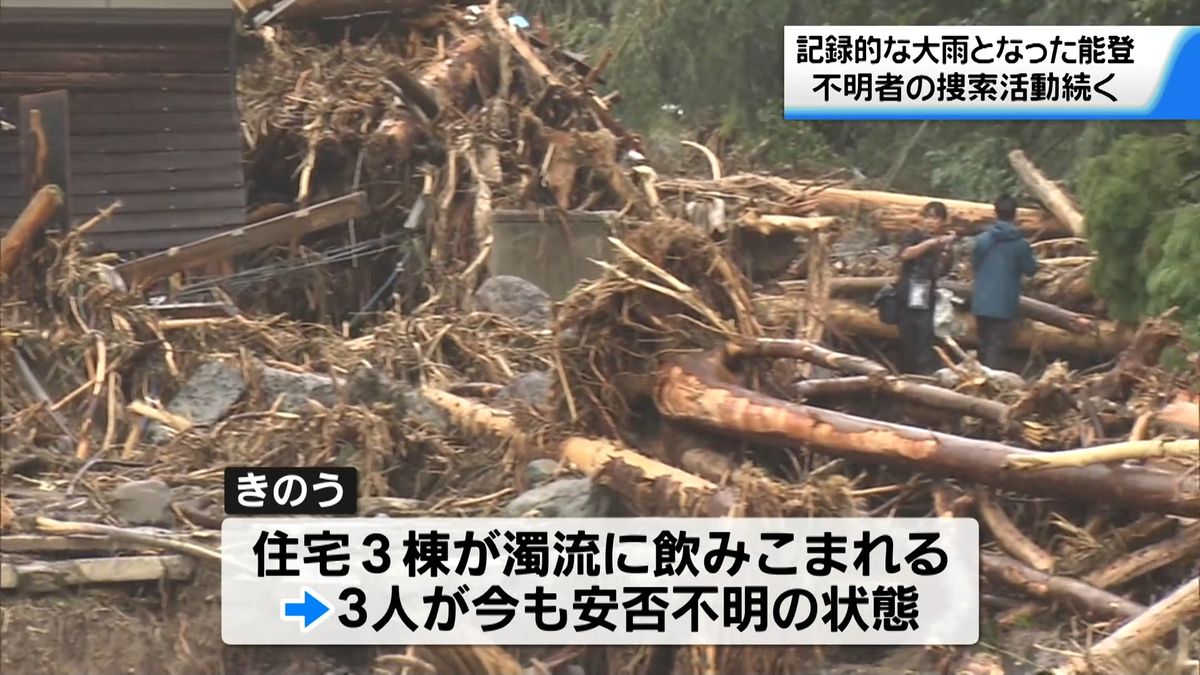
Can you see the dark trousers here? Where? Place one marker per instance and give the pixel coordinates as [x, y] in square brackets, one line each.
[916, 341]
[994, 335]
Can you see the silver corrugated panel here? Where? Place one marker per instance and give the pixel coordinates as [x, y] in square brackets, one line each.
[552, 251]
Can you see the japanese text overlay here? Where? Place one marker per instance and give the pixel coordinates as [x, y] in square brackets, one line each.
[600, 581]
[991, 72]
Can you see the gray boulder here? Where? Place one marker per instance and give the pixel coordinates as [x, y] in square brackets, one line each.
[565, 498]
[204, 399]
[143, 502]
[516, 299]
[539, 471]
[533, 388]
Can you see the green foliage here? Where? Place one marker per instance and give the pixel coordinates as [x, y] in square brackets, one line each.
[1121, 191]
[1172, 256]
[1145, 225]
[973, 168]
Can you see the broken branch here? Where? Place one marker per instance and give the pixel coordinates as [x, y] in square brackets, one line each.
[37, 214]
[1049, 194]
[1073, 592]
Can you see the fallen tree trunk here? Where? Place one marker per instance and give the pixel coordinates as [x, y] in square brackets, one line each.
[919, 392]
[695, 389]
[1150, 626]
[1090, 600]
[1048, 193]
[770, 224]
[38, 212]
[898, 211]
[873, 378]
[1108, 339]
[638, 477]
[1182, 415]
[1035, 310]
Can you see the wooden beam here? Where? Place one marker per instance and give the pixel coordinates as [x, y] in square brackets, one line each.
[37, 214]
[245, 239]
[1056, 200]
[899, 211]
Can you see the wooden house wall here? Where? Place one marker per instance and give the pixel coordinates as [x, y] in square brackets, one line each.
[153, 118]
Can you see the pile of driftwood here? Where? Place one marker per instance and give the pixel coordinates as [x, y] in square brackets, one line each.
[697, 376]
[441, 113]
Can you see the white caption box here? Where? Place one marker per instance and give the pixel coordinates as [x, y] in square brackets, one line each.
[752, 606]
[1157, 83]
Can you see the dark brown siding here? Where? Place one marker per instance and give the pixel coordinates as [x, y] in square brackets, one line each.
[153, 118]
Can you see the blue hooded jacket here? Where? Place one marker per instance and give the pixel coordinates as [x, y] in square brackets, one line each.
[1000, 257]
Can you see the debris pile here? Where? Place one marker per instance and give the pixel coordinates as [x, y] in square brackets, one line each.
[693, 377]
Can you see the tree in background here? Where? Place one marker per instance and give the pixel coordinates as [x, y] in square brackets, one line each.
[1142, 200]
[687, 65]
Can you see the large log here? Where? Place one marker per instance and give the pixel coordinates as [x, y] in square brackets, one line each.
[1108, 338]
[40, 210]
[1163, 617]
[594, 457]
[1030, 308]
[695, 389]
[1048, 193]
[919, 392]
[899, 211]
[871, 377]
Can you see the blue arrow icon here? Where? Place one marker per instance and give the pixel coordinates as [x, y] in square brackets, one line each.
[311, 610]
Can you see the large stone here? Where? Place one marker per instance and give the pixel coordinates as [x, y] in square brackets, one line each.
[143, 502]
[214, 387]
[417, 407]
[566, 498]
[539, 471]
[204, 399]
[297, 389]
[533, 388]
[516, 299]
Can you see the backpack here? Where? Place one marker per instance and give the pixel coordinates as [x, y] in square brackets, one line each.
[887, 304]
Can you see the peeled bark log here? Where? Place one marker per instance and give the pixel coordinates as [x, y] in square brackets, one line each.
[1152, 625]
[633, 473]
[1048, 193]
[40, 210]
[1079, 595]
[770, 224]
[1183, 415]
[898, 211]
[1108, 339]
[1035, 310]
[694, 389]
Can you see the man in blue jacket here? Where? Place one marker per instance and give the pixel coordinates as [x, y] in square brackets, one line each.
[1000, 258]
